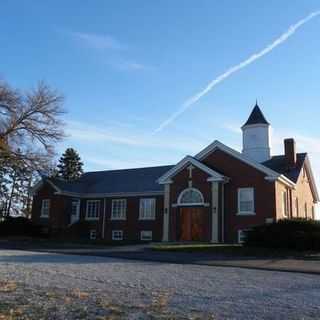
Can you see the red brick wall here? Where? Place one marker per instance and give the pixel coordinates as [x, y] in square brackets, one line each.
[242, 175]
[58, 217]
[60, 209]
[132, 225]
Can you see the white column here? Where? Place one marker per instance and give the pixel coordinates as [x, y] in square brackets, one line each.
[214, 211]
[166, 212]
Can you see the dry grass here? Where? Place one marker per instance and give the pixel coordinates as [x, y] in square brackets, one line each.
[8, 286]
[77, 293]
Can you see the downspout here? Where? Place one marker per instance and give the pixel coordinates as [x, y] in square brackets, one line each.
[222, 212]
[104, 218]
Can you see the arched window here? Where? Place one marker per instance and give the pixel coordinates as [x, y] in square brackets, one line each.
[190, 196]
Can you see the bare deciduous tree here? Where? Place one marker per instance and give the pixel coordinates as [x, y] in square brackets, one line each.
[30, 122]
[30, 126]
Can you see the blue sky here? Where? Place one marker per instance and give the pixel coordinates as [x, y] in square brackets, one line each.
[126, 66]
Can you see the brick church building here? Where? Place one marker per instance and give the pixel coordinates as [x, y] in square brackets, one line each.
[213, 196]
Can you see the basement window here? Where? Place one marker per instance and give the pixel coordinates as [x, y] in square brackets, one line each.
[146, 235]
[93, 234]
[117, 235]
[242, 234]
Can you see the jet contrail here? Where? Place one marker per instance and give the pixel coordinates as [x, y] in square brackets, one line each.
[188, 103]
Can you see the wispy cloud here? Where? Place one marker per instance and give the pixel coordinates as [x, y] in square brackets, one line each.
[107, 43]
[123, 135]
[281, 39]
[98, 41]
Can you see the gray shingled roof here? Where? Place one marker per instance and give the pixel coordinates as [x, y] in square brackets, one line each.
[256, 116]
[142, 180]
[115, 181]
[278, 164]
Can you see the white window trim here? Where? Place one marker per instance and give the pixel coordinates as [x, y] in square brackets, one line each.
[246, 213]
[141, 233]
[115, 238]
[125, 210]
[239, 234]
[92, 218]
[155, 210]
[284, 196]
[91, 232]
[42, 208]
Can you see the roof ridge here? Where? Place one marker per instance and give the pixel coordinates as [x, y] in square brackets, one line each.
[124, 169]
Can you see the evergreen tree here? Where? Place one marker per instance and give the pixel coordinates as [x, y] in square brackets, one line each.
[70, 165]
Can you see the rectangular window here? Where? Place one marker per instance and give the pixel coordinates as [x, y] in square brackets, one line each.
[147, 209]
[146, 235]
[93, 234]
[93, 207]
[242, 234]
[297, 207]
[118, 211]
[117, 235]
[246, 201]
[45, 208]
[285, 207]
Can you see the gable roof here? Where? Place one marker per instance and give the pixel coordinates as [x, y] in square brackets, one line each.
[113, 182]
[256, 117]
[271, 174]
[278, 163]
[215, 176]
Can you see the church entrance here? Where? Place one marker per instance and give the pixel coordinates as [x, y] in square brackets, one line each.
[192, 224]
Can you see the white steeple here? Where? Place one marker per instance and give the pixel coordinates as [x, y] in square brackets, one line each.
[256, 136]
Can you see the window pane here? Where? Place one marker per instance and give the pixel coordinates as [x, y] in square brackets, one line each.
[119, 209]
[191, 196]
[147, 209]
[246, 200]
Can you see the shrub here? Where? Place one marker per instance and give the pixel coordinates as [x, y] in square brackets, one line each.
[18, 226]
[79, 230]
[298, 234]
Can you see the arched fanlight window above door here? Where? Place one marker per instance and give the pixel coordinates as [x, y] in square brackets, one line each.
[190, 197]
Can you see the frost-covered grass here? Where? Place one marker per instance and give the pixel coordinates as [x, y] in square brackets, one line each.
[56, 286]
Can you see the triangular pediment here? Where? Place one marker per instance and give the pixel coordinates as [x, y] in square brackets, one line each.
[214, 175]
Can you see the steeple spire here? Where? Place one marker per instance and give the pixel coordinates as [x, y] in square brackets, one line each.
[256, 136]
[256, 116]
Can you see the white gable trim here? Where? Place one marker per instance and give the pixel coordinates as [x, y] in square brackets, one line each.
[214, 176]
[271, 174]
[218, 145]
[40, 183]
[312, 180]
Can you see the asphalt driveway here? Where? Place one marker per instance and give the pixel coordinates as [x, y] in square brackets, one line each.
[61, 286]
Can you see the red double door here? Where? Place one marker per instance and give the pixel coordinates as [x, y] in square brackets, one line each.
[192, 224]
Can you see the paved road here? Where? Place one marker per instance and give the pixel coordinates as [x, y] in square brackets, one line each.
[173, 289]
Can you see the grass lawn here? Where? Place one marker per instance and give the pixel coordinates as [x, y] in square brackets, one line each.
[229, 250]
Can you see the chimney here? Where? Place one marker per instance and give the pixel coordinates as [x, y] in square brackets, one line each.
[290, 152]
